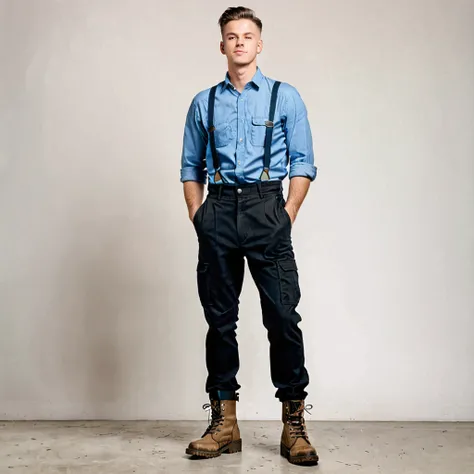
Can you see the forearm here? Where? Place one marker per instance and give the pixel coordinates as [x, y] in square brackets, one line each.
[299, 186]
[193, 195]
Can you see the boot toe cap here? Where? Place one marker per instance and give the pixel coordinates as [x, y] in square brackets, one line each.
[309, 451]
[198, 445]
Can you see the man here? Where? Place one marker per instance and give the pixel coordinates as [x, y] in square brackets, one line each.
[242, 134]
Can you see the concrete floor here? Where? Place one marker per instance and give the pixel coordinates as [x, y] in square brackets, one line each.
[149, 447]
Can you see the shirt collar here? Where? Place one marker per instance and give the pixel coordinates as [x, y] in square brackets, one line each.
[256, 79]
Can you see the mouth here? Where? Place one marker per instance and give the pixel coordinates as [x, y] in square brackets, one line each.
[239, 52]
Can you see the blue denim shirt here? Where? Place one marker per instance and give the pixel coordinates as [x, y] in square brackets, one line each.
[239, 119]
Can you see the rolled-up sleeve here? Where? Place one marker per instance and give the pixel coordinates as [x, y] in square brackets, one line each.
[299, 138]
[193, 156]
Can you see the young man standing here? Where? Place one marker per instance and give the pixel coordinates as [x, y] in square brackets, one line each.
[242, 134]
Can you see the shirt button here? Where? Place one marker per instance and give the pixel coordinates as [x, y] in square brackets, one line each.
[238, 162]
[239, 191]
[240, 139]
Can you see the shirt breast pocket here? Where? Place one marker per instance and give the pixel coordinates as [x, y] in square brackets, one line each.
[257, 131]
[223, 134]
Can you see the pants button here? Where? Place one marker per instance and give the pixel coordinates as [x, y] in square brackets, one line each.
[239, 191]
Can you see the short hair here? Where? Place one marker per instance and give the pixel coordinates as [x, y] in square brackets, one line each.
[239, 13]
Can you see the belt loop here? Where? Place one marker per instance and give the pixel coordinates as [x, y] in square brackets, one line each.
[219, 191]
[259, 187]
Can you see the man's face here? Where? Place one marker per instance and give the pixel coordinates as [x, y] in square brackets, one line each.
[241, 42]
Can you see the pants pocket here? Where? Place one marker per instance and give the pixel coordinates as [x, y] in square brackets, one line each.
[281, 206]
[197, 216]
[289, 283]
[203, 282]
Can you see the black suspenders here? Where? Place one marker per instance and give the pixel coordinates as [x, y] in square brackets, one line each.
[268, 133]
[265, 176]
[211, 130]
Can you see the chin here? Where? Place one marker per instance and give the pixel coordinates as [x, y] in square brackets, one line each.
[242, 62]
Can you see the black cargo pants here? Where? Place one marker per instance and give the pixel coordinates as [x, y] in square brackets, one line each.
[249, 221]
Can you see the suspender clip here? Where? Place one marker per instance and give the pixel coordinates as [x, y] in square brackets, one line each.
[265, 176]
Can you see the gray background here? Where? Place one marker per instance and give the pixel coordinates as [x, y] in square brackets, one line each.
[99, 314]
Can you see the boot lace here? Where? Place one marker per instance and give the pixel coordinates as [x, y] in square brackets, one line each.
[215, 418]
[297, 424]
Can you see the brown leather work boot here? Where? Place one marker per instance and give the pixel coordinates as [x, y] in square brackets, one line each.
[295, 445]
[222, 435]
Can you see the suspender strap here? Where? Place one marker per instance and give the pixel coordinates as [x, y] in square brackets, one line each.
[211, 130]
[269, 132]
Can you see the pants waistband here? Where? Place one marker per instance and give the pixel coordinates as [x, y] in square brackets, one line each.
[246, 189]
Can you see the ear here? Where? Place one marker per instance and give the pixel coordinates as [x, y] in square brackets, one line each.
[221, 46]
[259, 46]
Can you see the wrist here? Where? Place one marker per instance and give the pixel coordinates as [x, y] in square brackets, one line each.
[192, 210]
[291, 208]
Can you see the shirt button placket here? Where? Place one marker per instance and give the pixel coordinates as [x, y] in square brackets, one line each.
[240, 134]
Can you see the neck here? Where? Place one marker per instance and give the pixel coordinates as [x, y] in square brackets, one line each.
[241, 75]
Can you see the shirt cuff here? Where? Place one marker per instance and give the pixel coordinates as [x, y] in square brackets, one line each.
[303, 169]
[193, 174]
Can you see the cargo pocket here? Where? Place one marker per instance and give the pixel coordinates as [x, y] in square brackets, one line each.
[289, 284]
[203, 282]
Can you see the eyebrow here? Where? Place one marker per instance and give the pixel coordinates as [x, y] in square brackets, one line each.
[231, 33]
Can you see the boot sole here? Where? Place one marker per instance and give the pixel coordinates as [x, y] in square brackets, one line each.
[307, 460]
[231, 448]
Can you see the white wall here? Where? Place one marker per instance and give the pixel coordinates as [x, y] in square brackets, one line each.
[99, 314]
